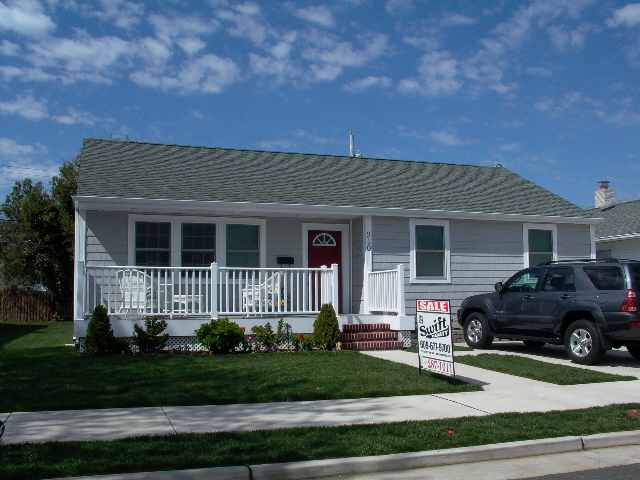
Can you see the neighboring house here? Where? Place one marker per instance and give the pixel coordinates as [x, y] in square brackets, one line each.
[618, 236]
[192, 233]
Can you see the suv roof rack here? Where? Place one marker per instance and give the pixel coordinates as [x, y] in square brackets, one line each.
[585, 260]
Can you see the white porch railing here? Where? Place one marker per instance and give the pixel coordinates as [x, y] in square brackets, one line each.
[386, 290]
[207, 291]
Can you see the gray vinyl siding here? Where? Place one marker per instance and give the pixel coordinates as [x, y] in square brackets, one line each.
[482, 253]
[107, 237]
[574, 241]
[629, 248]
[357, 266]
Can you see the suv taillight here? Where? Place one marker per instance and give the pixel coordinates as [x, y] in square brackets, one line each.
[630, 303]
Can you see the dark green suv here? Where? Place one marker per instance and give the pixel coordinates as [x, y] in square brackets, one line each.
[589, 306]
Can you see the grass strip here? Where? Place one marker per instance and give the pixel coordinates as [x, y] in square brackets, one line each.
[38, 373]
[207, 450]
[539, 370]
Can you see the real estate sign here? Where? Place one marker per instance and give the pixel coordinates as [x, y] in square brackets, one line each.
[435, 337]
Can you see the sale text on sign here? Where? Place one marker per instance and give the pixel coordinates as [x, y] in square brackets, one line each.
[435, 336]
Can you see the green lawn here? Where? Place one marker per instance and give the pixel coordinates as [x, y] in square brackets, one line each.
[208, 450]
[38, 373]
[537, 370]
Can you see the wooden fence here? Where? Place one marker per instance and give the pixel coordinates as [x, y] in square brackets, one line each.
[25, 305]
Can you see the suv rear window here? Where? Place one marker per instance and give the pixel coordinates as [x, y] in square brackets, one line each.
[634, 270]
[606, 278]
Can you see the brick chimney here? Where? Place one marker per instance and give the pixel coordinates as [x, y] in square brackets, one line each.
[605, 197]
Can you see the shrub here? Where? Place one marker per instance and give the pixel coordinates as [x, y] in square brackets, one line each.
[285, 338]
[326, 331]
[220, 336]
[100, 339]
[150, 338]
[306, 342]
[265, 338]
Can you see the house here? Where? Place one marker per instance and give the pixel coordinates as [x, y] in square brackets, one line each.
[618, 236]
[191, 233]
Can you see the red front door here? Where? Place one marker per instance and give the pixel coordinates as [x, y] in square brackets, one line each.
[324, 248]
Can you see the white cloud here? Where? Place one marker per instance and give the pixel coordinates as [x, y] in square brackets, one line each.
[75, 117]
[627, 16]
[19, 161]
[172, 27]
[277, 60]
[395, 7]
[245, 20]
[319, 15]
[26, 107]
[124, 14]
[9, 49]
[206, 74]
[10, 72]
[438, 74]
[367, 83]
[446, 138]
[510, 147]
[564, 39]
[457, 20]
[25, 17]
[191, 45]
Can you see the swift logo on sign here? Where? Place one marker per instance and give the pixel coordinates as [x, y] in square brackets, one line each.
[435, 339]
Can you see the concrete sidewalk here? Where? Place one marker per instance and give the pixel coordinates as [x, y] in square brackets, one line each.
[502, 393]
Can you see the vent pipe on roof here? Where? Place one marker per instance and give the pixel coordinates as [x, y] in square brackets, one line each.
[605, 196]
[353, 151]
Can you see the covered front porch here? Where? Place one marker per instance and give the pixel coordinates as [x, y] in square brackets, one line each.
[188, 270]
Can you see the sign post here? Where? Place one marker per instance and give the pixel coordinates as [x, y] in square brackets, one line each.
[435, 337]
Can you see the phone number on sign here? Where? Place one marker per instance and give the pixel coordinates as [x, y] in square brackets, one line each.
[439, 366]
[435, 347]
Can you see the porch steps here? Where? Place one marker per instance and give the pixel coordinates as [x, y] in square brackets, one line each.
[370, 336]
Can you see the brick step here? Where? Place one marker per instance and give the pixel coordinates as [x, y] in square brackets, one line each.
[375, 345]
[365, 327]
[369, 336]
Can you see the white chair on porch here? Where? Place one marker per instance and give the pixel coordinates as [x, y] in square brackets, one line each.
[135, 288]
[261, 297]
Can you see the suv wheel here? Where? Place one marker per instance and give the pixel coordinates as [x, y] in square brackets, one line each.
[583, 342]
[634, 351]
[533, 344]
[476, 331]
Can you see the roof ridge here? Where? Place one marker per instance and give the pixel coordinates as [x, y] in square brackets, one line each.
[141, 142]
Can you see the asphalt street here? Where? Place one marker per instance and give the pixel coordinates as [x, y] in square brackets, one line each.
[625, 472]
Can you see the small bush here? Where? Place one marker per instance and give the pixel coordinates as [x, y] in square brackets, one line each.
[150, 338]
[306, 342]
[100, 339]
[326, 331]
[264, 338]
[285, 338]
[220, 336]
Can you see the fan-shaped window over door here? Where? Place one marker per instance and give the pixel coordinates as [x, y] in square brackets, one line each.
[324, 239]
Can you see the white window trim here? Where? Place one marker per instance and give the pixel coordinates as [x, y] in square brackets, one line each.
[345, 253]
[412, 249]
[538, 226]
[176, 222]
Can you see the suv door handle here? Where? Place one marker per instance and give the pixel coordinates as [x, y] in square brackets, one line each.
[529, 297]
[565, 296]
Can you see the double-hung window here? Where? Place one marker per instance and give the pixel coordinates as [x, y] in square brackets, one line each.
[430, 251]
[198, 244]
[243, 245]
[540, 244]
[153, 244]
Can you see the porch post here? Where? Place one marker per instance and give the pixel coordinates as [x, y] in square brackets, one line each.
[400, 270]
[335, 285]
[214, 290]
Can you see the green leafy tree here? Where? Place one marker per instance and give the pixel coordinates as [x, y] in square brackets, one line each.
[100, 339]
[326, 331]
[38, 234]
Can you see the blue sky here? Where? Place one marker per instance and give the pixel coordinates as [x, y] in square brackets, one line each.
[549, 89]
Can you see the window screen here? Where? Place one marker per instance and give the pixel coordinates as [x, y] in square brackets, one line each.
[243, 245]
[153, 244]
[606, 278]
[198, 244]
[430, 251]
[540, 247]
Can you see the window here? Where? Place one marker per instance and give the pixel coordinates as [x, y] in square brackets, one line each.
[559, 280]
[429, 251]
[153, 244]
[243, 245]
[526, 281]
[606, 278]
[540, 244]
[198, 244]
[324, 239]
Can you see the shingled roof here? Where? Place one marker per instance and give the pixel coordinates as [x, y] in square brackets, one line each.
[116, 168]
[619, 219]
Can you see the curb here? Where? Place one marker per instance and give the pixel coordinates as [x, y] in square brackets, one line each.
[394, 462]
